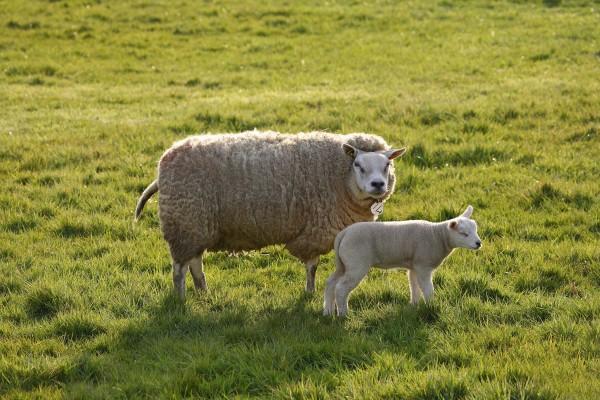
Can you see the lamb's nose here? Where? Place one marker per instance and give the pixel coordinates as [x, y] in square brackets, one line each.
[377, 184]
[478, 244]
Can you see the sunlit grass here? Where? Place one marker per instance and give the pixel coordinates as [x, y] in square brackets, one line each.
[499, 106]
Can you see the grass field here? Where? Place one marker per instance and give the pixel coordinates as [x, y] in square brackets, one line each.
[499, 103]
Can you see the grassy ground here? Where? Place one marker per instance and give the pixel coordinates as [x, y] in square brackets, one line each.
[499, 103]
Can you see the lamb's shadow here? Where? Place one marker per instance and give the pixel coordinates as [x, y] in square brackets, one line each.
[231, 350]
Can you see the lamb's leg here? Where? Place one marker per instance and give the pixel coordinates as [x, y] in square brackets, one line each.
[179, 271]
[345, 285]
[329, 302]
[415, 292]
[425, 282]
[197, 270]
[311, 270]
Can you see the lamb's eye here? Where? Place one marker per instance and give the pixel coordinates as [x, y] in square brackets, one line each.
[465, 234]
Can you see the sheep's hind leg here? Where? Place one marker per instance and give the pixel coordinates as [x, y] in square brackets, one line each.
[345, 285]
[179, 271]
[197, 270]
[329, 301]
[311, 271]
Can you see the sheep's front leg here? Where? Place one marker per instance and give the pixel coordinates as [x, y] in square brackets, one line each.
[179, 271]
[311, 271]
[415, 292]
[197, 270]
[424, 275]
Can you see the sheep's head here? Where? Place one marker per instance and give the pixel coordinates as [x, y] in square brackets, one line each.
[371, 170]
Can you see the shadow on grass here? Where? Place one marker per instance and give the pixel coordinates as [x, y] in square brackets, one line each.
[224, 350]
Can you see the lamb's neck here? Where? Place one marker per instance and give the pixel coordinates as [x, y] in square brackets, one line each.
[440, 232]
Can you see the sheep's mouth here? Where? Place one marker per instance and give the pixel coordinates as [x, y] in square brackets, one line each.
[377, 194]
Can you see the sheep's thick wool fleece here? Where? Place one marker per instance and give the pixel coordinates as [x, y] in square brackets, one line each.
[249, 190]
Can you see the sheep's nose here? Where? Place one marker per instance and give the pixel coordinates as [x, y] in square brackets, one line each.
[378, 184]
[478, 244]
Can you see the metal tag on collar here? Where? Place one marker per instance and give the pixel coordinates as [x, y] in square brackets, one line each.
[377, 208]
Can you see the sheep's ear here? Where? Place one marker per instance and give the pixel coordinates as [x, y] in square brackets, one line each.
[395, 153]
[349, 150]
[468, 212]
[453, 224]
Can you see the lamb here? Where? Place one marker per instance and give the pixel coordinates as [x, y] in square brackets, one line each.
[418, 246]
[245, 191]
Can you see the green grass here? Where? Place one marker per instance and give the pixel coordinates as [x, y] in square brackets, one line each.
[499, 103]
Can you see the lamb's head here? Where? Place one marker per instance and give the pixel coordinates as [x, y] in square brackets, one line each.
[371, 170]
[463, 231]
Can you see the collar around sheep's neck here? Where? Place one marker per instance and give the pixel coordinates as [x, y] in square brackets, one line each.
[377, 200]
[367, 202]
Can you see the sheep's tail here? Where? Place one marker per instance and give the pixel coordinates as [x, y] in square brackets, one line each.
[339, 264]
[150, 190]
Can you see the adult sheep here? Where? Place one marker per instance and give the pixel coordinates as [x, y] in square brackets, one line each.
[253, 189]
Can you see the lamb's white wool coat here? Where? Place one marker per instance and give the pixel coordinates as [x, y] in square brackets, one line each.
[418, 246]
[246, 191]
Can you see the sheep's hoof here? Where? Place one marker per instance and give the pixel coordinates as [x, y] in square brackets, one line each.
[180, 294]
[306, 297]
[309, 289]
[200, 287]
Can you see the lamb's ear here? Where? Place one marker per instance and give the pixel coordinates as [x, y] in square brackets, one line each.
[453, 224]
[468, 212]
[395, 153]
[349, 150]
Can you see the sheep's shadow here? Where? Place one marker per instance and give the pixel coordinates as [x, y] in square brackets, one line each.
[234, 350]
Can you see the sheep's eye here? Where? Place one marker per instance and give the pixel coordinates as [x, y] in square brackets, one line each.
[465, 234]
[357, 165]
[386, 166]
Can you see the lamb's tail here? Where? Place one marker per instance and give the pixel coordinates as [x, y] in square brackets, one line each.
[150, 190]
